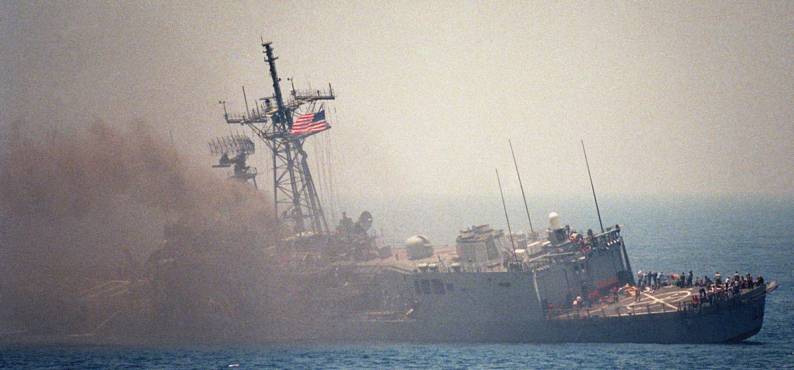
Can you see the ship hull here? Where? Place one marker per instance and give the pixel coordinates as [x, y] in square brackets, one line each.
[730, 323]
[726, 323]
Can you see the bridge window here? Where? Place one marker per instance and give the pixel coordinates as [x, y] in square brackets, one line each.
[426, 286]
[490, 248]
[438, 286]
[434, 286]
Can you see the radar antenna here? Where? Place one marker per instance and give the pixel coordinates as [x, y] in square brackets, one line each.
[234, 151]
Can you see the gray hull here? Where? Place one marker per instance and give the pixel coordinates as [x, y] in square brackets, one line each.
[727, 323]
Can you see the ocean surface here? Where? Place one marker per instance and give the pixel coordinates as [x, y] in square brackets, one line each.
[671, 234]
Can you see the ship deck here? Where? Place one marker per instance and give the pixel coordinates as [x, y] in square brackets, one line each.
[666, 299]
[444, 255]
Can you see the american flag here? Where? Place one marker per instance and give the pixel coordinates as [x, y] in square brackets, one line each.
[310, 123]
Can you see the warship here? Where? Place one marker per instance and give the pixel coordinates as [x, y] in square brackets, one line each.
[552, 285]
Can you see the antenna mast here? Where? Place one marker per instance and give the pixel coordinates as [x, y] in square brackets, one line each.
[504, 206]
[295, 198]
[592, 187]
[521, 185]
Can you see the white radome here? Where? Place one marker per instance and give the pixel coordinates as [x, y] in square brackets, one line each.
[554, 221]
[417, 241]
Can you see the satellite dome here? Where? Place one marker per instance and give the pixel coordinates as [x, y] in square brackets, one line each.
[418, 247]
[417, 241]
[554, 221]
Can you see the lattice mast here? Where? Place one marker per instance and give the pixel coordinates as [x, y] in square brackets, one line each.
[295, 196]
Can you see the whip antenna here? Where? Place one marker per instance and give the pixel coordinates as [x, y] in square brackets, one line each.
[592, 187]
[521, 185]
[509, 229]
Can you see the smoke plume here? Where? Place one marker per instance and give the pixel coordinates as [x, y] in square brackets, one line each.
[98, 221]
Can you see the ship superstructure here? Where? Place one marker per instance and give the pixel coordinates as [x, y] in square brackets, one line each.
[578, 288]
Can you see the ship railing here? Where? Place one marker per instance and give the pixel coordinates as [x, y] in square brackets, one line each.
[608, 311]
[603, 241]
[714, 302]
[718, 301]
[254, 116]
[607, 239]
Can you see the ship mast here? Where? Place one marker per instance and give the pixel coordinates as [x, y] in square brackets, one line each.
[295, 199]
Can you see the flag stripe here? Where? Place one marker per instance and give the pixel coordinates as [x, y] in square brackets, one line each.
[314, 126]
[309, 123]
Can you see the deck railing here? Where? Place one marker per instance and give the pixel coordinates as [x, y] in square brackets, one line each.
[606, 311]
[714, 302]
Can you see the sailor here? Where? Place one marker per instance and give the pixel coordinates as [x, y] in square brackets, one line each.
[689, 279]
[717, 278]
[659, 279]
[346, 224]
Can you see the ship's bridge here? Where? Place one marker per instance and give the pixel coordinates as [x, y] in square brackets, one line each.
[480, 247]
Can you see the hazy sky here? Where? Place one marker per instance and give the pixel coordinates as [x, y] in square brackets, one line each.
[670, 97]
